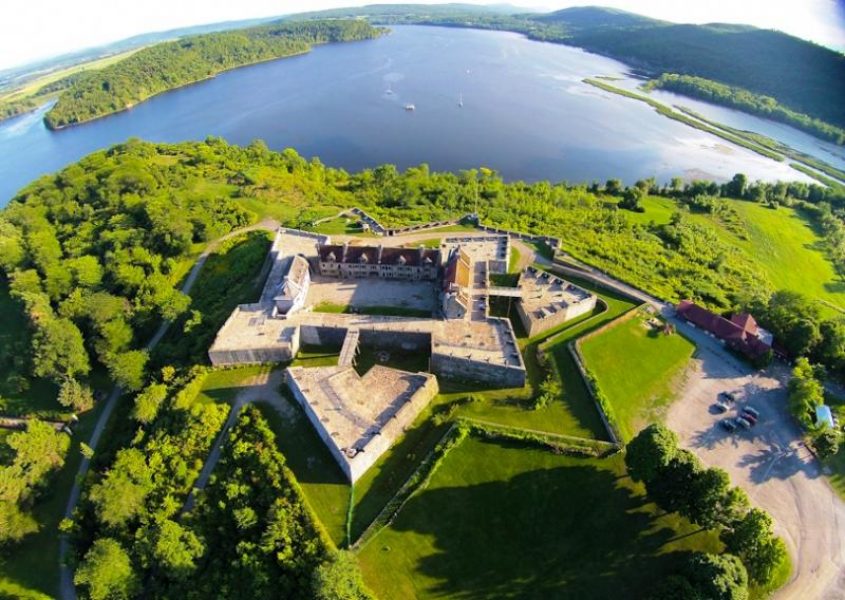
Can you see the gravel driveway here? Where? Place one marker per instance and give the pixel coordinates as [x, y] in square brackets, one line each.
[770, 463]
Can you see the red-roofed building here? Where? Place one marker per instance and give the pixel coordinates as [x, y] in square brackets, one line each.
[740, 332]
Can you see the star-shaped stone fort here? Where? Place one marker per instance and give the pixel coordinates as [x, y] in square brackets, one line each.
[359, 416]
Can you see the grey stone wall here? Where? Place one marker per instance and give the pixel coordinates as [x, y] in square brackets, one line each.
[452, 367]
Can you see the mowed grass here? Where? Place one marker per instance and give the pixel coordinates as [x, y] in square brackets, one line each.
[501, 520]
[789, 251]
[635, 367]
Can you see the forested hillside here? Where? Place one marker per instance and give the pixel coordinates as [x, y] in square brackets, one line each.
[800, 75]
[173, 64]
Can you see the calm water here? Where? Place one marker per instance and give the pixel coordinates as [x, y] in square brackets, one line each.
[525, 113]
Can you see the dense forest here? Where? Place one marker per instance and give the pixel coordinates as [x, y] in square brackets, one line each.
[170, 65]
[735, 97]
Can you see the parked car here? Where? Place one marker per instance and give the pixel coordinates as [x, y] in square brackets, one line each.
[728, 396]
[728, 425]
[750, 410]
[750, 418]
[743, 422]
[720, 407]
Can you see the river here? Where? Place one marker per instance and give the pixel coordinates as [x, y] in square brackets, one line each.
[525, 113]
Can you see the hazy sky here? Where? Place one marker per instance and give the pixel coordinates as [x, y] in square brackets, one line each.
[35, 29]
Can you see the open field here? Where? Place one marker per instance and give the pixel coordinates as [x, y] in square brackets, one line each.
[503, 520]
[782, 242]
[34, 85]
[637, 369]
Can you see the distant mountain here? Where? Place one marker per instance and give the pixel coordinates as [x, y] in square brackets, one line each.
[801, 75]
[382, 11]
[582, 18]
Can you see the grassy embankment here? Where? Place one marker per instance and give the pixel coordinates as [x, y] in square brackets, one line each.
[637, 368]
[499, 520]
[760, 144]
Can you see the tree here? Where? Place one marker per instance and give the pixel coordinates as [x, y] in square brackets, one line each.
[14, 523]
[736, 187]
[58, 350]
[339, 579]
[148, 402]
[651, 450]
[127, 368]
[169, 546]
[752, 539]
[805, 391]
[38, 450]
[673, 489]
[74, 395]
[710, 495]
[674, 587]
[826, 443]
[550, 391]
[120, 495]
[717, 577]
[107, 572]
[613, 187]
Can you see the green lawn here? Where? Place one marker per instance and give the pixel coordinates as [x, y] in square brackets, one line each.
[636, 367]
[388, 311]
[788, 250]
[500, 520]
[657, 209]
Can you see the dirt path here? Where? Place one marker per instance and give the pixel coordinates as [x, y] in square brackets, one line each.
[67, 591]
[261, 388]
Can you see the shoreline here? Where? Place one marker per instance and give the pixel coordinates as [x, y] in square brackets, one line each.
[194, 82]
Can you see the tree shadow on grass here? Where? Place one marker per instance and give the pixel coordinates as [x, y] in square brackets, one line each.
[566, 532]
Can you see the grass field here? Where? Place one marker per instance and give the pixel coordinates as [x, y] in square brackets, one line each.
[388, 311]
[788, 250]
[781, 242]
[635, 368]
[504, 521]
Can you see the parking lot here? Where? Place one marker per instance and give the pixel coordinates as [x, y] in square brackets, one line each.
[769, 462]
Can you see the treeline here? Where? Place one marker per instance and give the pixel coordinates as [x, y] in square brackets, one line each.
[735, 97]
[676, 481]
[806, 394]
[174, 64]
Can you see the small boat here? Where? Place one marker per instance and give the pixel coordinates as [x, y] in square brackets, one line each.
[389, 90]
[461, 100]
[410, 107]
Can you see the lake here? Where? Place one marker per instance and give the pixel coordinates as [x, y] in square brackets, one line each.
[525, 113]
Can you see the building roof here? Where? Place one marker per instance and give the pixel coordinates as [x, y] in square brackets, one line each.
[330, 252]
[741, 337]
[746, 321]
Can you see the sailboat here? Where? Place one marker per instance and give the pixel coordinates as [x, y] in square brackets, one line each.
[461, 100]
[389, 89]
